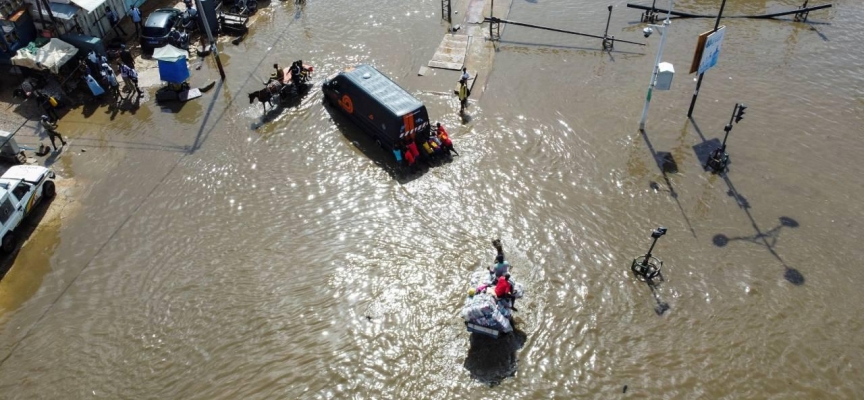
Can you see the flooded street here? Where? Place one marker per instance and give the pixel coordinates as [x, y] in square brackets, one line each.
[218, 253]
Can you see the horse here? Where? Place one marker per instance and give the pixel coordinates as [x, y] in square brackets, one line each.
[265, 96]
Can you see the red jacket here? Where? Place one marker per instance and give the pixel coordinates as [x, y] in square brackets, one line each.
[409, 157]
[445, 139]
[412, 147]
[503, 287]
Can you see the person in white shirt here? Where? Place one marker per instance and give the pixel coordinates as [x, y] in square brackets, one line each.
[465, 77]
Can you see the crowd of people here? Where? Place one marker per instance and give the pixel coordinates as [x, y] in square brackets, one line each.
[436, 147]
[98, 74]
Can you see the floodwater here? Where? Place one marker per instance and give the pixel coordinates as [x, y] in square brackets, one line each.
[219, 254]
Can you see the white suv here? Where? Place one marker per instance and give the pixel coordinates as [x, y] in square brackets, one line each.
[22, 187]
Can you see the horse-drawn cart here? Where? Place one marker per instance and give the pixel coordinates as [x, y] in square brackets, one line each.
[288, 88]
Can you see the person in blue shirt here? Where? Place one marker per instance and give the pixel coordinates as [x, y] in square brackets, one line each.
[135, 14]
[397, 152]
[501, 266]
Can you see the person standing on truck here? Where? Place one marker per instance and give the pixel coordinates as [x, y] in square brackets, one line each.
[51, 128]
[412, 148]
[397, 152]
[435, 144]
[463, 95]
[410, 160]
[465, 75]
[446, 143]
[429, 151]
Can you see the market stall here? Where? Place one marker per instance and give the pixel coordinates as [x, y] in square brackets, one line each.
[50, 57]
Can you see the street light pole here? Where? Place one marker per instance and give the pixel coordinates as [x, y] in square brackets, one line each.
[663, 32]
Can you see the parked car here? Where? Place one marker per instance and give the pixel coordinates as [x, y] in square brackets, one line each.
[377, 104]
[22, 187]
[157, 27]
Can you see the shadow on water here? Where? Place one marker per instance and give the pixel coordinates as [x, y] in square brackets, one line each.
[667, 165]
[273, 112]
[491, 360]
[22, 233]
[768, 238]
[202, 136]
[654, 285]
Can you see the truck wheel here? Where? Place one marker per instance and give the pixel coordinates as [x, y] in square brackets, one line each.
[8, 243]
[49, 189]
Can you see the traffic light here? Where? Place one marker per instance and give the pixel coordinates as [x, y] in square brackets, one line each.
[740, 115]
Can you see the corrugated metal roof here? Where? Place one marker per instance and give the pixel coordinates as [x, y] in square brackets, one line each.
[388, 92]
[62, 11]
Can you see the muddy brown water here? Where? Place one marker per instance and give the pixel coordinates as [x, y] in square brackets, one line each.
[219, 254]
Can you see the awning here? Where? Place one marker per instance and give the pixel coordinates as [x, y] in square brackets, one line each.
[62, 11]
[51, 56]
[89, 5]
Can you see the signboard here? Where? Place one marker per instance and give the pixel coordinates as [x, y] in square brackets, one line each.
[707, 50]
[697, 55]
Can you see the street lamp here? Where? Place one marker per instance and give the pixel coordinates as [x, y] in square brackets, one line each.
[663, 34]
[647, 267]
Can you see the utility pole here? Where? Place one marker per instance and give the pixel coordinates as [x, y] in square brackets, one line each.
[203, 13]
[663, 34]
[699, 82]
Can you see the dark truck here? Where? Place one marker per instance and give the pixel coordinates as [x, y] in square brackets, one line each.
[378, 105]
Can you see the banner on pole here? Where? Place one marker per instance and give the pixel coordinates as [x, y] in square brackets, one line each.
[707, 50]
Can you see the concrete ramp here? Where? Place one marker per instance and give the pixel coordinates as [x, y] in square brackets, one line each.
[475, 12]
[451, 52]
